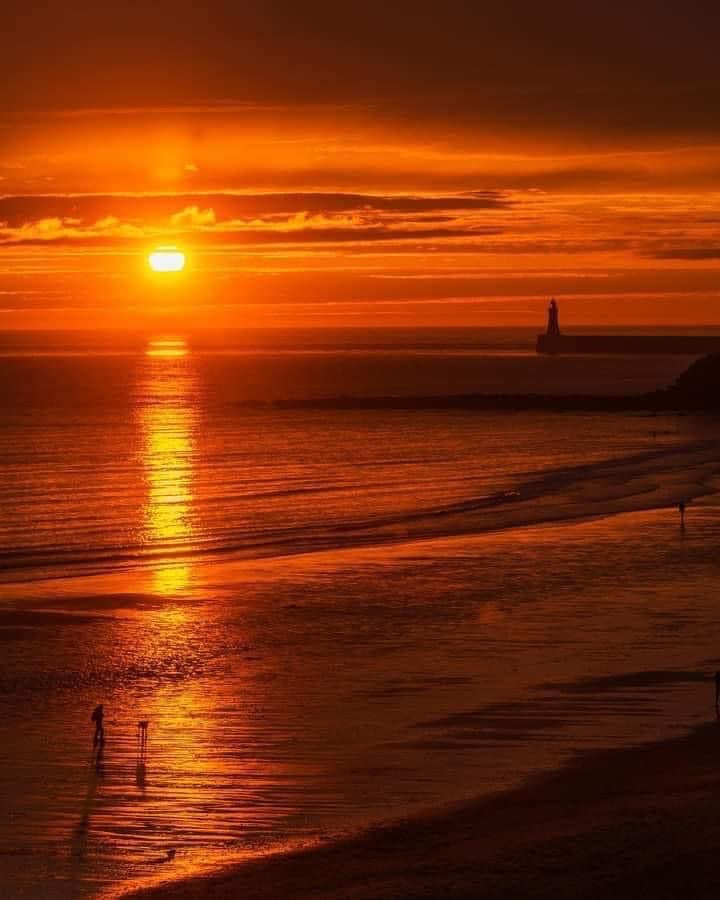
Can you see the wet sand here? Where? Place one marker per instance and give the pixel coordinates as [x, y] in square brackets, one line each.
[639, 822]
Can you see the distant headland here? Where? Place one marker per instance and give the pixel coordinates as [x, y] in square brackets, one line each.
[553, 341]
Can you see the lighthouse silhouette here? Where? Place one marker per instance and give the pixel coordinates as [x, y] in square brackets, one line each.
[553, 326]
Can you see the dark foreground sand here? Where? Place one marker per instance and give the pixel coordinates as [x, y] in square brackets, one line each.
[637, 823]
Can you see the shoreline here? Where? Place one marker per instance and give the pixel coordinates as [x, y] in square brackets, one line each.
[629, 822]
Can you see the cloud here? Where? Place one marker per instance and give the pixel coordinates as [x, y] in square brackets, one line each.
[301, 221]
[244, 219]
[193, 217]
[687, 253]
[55, 229]
[113, 233]
[158, 208]
[600, 67]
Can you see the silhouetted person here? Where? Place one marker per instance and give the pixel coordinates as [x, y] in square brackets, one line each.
[97, 717]
[681, 510]
[717, 693]
[142, 736]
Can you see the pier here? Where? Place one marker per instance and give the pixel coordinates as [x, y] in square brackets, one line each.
[553, 341]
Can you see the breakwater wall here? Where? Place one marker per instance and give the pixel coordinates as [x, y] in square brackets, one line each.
[691, 345]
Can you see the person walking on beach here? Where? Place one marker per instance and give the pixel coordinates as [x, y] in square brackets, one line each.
[681, 509]
[97, 717]
[717, 693]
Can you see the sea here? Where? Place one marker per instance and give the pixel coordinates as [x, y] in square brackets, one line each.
[328, 618]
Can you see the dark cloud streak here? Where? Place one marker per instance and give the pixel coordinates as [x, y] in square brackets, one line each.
[17, 209]
[645, 66]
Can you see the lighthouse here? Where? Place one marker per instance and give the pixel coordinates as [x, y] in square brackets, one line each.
[553, 326]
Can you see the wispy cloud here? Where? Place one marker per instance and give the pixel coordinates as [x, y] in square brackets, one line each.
[193, 217]
[687, 253]
[269, 219]
[55, 229]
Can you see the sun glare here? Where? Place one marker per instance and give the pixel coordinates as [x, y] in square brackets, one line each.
[167, 259]
[168, 347]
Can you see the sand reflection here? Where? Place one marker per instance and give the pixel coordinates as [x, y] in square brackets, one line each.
[167, 411]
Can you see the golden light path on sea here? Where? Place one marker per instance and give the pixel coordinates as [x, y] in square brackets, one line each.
[167, 421]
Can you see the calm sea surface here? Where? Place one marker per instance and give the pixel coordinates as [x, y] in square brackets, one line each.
[328, 618]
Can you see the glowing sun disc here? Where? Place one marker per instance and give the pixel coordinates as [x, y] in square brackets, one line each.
[167, 259]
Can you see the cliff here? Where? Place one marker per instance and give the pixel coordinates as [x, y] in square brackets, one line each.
[697, 388]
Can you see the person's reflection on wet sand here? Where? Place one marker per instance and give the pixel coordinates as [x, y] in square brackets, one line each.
[80, 834]
[100, 762]
[141, 773]
[97, 717]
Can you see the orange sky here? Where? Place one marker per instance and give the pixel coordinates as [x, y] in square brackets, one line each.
[337, 167]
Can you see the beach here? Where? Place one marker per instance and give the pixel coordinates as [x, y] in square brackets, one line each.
[639, 822]
[329, 619]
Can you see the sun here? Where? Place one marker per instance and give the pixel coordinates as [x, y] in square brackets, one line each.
[167, 259]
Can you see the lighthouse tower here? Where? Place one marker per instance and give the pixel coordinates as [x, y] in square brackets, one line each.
[553, 326]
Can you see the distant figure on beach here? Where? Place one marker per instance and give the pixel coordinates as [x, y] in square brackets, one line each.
[553, 328]
[142, 736]
[97, 717]
[717, 693]
[140, 767]
[681, 510]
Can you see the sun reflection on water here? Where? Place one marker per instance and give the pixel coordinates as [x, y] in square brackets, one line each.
[167, 411]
